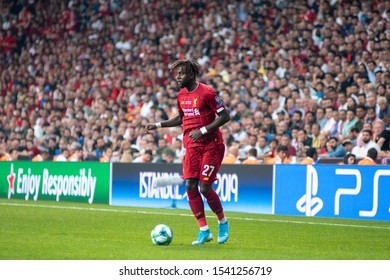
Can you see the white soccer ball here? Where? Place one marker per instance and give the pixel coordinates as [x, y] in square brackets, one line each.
[161, 235]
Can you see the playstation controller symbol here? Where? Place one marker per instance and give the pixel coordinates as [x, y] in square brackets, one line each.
[309, 203]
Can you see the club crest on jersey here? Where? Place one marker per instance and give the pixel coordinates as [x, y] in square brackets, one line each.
[194, 103]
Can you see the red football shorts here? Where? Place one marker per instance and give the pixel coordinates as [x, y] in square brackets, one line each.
[203, 162]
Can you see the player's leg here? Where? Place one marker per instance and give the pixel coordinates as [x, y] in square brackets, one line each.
[191, 165]
[195, 201]
[211, 162]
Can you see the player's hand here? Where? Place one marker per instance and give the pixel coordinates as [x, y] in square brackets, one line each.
[195, 135]
[150, 126]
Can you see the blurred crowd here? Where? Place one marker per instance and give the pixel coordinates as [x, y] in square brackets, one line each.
[302, 79]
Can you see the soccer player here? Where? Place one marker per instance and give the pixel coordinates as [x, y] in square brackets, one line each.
[201, 113]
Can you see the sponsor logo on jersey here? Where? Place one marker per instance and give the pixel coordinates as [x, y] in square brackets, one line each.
[196, 112]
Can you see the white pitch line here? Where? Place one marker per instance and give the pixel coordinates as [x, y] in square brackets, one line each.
[190, 215]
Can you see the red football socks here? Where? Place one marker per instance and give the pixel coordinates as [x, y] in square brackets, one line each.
[215, 203]
[197, 207]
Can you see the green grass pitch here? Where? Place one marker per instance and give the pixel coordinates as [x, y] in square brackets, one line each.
[72, 231]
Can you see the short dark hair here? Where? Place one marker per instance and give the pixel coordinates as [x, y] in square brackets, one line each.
[372, 153]
[309, 113]
[368, 131]
[252, 152]
[311, 152]
[298, 112]
[362, 106]
[282, 148]
[355, 129]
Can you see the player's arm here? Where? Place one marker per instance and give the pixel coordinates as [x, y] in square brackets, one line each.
[175, 121]
[223, 117]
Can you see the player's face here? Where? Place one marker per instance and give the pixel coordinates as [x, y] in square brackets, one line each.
[183, 79]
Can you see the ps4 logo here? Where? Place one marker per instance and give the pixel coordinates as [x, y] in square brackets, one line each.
[311, 204]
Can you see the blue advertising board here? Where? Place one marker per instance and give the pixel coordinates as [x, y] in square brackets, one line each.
[241, 188]
[351, 191]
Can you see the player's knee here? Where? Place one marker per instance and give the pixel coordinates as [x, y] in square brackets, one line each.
[204, 188]
[191, 184]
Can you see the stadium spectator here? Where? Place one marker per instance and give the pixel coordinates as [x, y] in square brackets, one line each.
[366, 126]
[227, 136]
[384, 112]
[262, 146]
[304, 142]
[63, 156]
[316, 132]
[11, 156]
[145, 157]
[167, 155]
[285, 141]
[342, 120]
[371, 115]
[232, 156]
[342, 101]
[42, 156]
[179, 150]
[281, 156]
[107, 155]
[381, 136]
[330, 121]
[351, 121]
[311, 156]
[161, 145]
[361, 114]
[320, 117]
[76, 152]
[273, 144]
[361, 151]
[370, 158]
[349, 159]
[251, 157]
[126, 154]
[354, 134]
[252, 143]
[297, 120]
[238, 131]
[334, 149]
[348, 145]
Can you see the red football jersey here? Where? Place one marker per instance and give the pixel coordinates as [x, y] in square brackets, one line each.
[199, 108]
